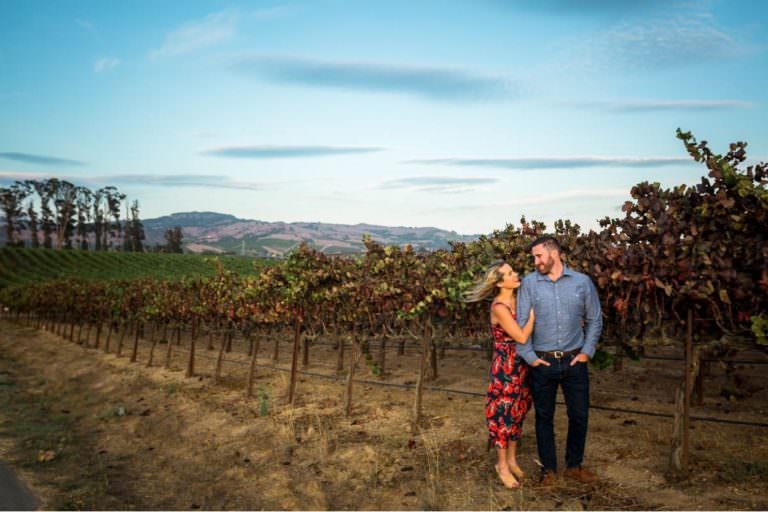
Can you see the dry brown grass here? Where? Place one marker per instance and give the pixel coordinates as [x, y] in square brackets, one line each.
[187, 443]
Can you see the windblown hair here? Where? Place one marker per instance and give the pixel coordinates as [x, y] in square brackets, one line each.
[485, 287]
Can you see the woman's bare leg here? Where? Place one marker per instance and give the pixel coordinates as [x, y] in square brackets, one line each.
[503, 469]
[511, 454]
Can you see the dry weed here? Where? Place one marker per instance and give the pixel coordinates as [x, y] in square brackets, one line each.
[434, 489]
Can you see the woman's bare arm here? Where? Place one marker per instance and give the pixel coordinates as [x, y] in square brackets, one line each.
[510, 326]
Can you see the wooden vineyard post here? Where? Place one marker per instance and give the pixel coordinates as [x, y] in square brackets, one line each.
[383, 356]
[110, 326]
[79, 334]
[353, 360]
[295, 358]
[426, 343]
[135, 351]
[72, 331]
[119, 351]
[252, 367]
[678, 463]
[433, 359]
[688, 387]
[220, 358]
[229, 338]
[168, 353]
[210, 337]
[98, 334]
[191, 362]
[340, 355]
[152, 351]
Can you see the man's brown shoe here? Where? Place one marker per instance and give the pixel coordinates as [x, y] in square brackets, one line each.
[547, 479]
[581, 474]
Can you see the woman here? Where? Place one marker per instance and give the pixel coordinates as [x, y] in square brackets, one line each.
[508, 398]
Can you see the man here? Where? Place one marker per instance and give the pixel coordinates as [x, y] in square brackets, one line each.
[566, 329]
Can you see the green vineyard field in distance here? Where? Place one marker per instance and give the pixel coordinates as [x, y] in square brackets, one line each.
[20, 265]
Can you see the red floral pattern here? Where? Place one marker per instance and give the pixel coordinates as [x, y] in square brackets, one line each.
[508, 398]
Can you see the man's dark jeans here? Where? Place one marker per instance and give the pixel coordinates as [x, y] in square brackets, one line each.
[575, 382]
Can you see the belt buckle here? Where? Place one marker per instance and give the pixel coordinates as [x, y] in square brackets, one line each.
[558, 354]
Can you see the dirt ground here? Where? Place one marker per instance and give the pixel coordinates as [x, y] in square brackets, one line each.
[85, 429]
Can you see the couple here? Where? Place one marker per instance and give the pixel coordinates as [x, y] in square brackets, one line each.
[559, 306]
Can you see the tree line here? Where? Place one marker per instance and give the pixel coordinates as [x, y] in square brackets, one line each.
[57, 214]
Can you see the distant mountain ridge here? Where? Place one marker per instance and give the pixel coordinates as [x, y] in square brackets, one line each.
[219, 233]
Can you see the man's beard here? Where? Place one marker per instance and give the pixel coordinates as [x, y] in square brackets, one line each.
[544, 268]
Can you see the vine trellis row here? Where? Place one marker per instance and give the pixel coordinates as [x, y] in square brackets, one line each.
[686, 265]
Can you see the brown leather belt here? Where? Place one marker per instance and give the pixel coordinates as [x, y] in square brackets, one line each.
[558, 354]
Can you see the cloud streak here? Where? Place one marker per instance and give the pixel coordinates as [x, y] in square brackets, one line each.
[182, 180]
[149, 180]
[663, 42]
[214, 29]
[543, 200]
[41, 160]
[583, 7]
[287, 151]
[572, 162]
[85, 25]
[667, 34]
[439, 184]
[640, 106]
[442, 84]
[571, 195]
[105, 64]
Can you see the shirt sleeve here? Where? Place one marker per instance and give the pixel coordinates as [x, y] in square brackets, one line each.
[524, 304]
[593, 320]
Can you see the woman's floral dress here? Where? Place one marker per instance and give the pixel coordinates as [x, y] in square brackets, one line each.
[509, 396]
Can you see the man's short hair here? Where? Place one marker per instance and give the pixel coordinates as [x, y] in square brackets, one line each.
[548, 241]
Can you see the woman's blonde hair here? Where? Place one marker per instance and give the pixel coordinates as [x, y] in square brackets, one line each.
[485, 287]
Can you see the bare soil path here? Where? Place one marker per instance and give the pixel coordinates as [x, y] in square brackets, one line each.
[90, 430]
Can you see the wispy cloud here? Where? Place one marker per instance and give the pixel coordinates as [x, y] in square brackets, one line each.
[544, 199]
[85, 25]
[105, 64]
[439, 184]
[571, 162]
[444, 84]
[287, 151]
[275, 12]
[41, 159]
[214, 29]
[571, 195]
[150, 180]
[669, 41]
[652, 105]
[583, 7]
[181, 180]
[652, 35]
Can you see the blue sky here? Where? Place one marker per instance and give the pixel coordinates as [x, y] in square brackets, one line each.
[462, 115]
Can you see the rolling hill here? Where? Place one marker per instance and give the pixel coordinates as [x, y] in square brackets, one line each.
[221, 233]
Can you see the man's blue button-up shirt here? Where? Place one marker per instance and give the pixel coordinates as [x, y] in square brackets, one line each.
[568, 315]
